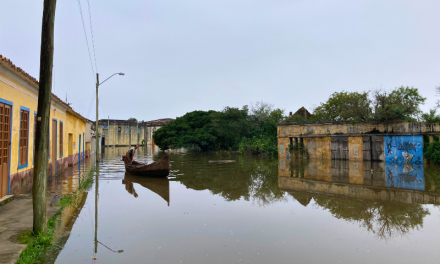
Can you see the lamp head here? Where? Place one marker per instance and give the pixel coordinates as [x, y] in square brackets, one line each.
[121, 74]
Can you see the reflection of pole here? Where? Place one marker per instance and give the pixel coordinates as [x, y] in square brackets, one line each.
[96, 211]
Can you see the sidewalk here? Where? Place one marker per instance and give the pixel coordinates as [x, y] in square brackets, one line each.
[16, 217]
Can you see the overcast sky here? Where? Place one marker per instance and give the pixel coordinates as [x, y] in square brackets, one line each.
[180, 56]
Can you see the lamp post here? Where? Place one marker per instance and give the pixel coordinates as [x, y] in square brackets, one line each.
[96, 125]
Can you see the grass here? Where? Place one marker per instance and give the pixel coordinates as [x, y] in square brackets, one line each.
[39, 244]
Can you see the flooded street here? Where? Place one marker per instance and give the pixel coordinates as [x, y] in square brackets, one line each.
[254, 210]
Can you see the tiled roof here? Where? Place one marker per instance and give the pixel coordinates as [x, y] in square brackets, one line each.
[8, 63]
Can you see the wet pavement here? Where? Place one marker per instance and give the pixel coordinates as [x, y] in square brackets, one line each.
[255, 210]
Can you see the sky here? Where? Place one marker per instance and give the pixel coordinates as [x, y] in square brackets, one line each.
[180, 56]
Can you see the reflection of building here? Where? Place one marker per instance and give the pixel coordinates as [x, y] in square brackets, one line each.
[397, 142]
[18, 118]
[358, 179]
[126, 133]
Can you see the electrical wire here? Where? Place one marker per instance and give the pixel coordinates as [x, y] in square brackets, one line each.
[85, 34]
[93, 39]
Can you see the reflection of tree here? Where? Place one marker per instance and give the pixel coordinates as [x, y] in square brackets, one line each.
[385, 219]
[251, 178]
[432, 177]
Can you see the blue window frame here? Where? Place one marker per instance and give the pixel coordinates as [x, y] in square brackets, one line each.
[56, 139]
[10, 134]
[23, 143]
[127, 130]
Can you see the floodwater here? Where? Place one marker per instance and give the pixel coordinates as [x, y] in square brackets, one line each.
[256, 210]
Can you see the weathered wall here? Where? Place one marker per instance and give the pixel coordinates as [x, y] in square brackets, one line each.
[355, 147]
[327, 129]
[115, 137]
[318, 147]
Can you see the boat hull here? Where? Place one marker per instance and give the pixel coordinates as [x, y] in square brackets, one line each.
[160, 168]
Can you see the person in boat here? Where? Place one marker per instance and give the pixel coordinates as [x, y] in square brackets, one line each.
[131, 153]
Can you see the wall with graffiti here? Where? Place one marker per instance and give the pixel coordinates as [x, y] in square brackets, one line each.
[404, 159]
[403, 149]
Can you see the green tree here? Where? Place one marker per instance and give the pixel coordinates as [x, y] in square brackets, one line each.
[431, 117]
[194, 128]
[345, 106]
[401, 104]
[132, 119]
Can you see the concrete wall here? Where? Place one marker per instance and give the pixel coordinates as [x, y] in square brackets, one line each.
[358, 142]
[137, 131]
[327, 129]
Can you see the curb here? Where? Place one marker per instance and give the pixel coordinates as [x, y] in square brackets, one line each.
[6, 199]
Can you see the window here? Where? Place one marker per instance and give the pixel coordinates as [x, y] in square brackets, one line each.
[24, 134]
[104, 127]
[61, 139]
[128, 130]
[119, 129]
[139, 130]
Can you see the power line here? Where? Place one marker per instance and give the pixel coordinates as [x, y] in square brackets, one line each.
[85, 34]
[93, 39]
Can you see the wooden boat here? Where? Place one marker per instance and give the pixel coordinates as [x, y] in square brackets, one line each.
[160, 186]
[160, 168]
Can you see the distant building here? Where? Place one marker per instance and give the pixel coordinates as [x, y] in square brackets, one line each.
[129, 133]
[18, 116]
[301, 112]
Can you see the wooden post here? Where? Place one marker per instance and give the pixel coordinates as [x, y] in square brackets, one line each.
[431, 138]
[43, 118]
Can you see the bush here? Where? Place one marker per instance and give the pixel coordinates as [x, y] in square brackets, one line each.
[432, 152]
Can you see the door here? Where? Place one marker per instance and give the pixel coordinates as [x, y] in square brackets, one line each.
[70, 151]
[54, 147]
[366, 148]
[5, 138]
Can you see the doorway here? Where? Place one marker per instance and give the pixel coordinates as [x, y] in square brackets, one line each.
[54, 147]
[70, 150]
[5, 138]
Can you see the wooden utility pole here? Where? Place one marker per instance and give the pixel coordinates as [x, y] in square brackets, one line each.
[43, 118]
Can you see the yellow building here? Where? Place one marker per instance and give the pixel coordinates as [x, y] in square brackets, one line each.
[18, 111]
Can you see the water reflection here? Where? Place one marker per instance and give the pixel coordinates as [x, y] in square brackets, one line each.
[250, 178]
[160, 186]
[384, 198]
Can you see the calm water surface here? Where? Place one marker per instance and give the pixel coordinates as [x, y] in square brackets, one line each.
[256, 210]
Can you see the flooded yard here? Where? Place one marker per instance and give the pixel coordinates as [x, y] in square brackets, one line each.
[254, 210]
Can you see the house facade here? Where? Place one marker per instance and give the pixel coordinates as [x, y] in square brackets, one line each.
[18, 115]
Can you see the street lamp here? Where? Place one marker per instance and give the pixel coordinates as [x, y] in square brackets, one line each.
[96, 124]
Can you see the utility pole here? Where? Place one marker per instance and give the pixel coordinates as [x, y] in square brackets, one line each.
[43, 116]
[96, 126]
[97, 104]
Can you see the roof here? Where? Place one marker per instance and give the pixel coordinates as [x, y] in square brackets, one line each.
[34, 82]
[303, 112]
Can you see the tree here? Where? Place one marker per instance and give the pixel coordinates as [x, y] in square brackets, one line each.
[230, 125]
[431, 117]
[194, 128]
[401, 104]
[345, 106]
[132, 119]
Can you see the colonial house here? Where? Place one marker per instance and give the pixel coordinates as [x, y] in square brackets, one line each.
[18, 114]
